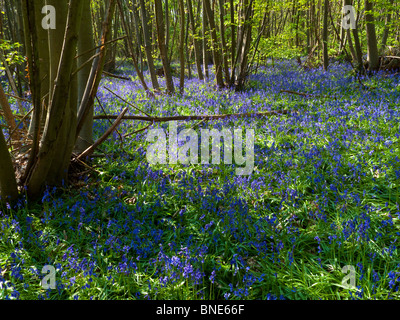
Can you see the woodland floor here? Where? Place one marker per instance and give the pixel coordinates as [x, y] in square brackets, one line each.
[324, 194]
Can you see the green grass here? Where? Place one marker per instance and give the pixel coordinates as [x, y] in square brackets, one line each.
[291, 235]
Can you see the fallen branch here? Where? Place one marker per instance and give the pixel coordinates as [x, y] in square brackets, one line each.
[115, 76]
[90, 150]
[200, 117]
[298, 93]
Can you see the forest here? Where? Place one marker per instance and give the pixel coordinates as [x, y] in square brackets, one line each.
[199, 150]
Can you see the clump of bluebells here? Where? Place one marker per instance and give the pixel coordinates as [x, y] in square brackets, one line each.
[324, 194]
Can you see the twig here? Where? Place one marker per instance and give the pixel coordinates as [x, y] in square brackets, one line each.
[115, 76]
[21, 121]
[19, 98]
[90, 150]
[198, 123]
[101, 106]
[392, 57]
[86, 165]
[85, 63]
[140, 130]
[99, 46]
[127, 102]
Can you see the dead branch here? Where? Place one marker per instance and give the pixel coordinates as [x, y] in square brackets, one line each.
[19, 98]
[90, 150]
[298, 93]
[115, 76]
[195, 117]
[127, 102]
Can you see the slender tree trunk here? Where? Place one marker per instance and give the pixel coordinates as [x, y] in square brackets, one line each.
[215, 45]
[8, 183]
[32, 52]
[195, 41]
[244, 44]
[161, 43]
[85, 44]
[188, 51]
[357, 44]
[233, 33]
[351, 46]
[372, 44]
[44, 70]
[325, 35]
[167, 33]
[130, 47]
[147, 45]
[138, 32]
[205, 46]
[223, 41]
[182, 47]
[385, 34]
[7, 112]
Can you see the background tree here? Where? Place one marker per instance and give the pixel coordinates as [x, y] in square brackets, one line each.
[372, 45]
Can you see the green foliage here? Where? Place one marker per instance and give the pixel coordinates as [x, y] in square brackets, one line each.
[13, 55]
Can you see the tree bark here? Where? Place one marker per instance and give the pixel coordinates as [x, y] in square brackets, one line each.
[8, 115]
[385, 34]
[97, 69]
[215, 45]
[182, 47]
[147, 45]
[161, 43]
[357, 45]
[205, 44]
[372, 45]
[325, 35]
[196, 44]
[85, 43]
[223, 41]
[8, 184]
[130, 47]
[61, 115]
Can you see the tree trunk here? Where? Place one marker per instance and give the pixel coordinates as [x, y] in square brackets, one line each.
[182, 47]
[8, 184]
[85, 44]
[7, 112]
[215, 45]
[233, 33]
[372, 45]
[357, 45]
[130, 47]
[386, 30]
[196, 44]
[147, 45]
[205, 44]
[44, 70]
[325, 35]
[223, 41]
[29, 12]
[243, 45]
[161, 43]
[97, 69]
[138, 32]
[61, 114]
